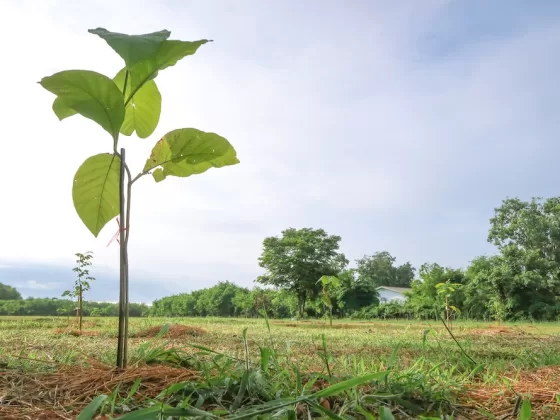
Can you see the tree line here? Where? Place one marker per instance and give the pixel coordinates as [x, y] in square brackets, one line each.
[62, 307]
[521, 281]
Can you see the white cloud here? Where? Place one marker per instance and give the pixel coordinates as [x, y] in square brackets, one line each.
[38, 285]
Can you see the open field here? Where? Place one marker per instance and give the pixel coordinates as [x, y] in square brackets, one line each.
[45, 367]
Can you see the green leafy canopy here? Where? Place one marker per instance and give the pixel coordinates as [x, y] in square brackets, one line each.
[144, 56]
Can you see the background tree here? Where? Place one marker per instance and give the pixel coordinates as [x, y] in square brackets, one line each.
[9, 292]
[379, 269]
[82, 283]
[525, 278]
[297, 259]
[355, 293]
[424, 298]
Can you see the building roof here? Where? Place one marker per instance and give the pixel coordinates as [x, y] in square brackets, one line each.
[401, 290]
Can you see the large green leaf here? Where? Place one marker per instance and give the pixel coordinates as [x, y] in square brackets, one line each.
[96, 191]
[143, 110]
[167, 55]
[91, 94]
[189, 151]
[132, 48]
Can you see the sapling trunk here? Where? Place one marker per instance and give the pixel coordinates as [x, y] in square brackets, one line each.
[80, 306]
[123, 295]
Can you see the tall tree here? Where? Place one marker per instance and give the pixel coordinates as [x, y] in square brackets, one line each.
[379, 269]
[526, 276]
[297, 259]
[9, 292]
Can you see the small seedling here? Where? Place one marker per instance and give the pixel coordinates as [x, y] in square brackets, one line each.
[330, 283]
[127, 103]
[82, 283]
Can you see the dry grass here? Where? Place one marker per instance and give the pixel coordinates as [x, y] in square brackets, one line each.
[542, 386]
[75, 333]
[174, 332]
[61, 394]
[526, 354]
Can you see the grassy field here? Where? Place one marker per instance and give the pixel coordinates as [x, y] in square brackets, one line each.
[285, 369]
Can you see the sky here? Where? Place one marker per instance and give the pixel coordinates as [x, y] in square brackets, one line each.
[397, 125]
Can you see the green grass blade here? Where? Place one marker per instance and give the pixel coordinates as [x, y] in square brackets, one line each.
[385, 413]
[150, 413]
[319, 408]
[265, 358]
[526, 412]
[187, 412]
[348, 384]
[242, 389]
[88, 413]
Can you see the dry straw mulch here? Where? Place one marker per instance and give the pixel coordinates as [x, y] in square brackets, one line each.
[62, 394]
[542, 386]
[174, 331]
[76, 333]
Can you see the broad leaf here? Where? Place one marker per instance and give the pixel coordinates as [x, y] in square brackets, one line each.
[95, 191]
[189, 151]
[143, 110]
[132, 48]
[91, 94]
[167, 55]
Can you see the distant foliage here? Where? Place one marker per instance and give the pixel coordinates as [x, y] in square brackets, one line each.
[65, 307]
[379, 269]
[8, 292]
[520, 282]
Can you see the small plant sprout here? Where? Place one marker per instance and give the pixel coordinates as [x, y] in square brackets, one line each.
[330, 284]
[444, 291]
[82, 283]
[127, 103]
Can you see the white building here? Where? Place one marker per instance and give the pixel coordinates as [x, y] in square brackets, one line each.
[388, 293]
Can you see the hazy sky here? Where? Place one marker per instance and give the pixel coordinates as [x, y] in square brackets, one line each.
[398, 125]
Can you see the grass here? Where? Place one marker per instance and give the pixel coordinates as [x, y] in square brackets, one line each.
[245, 368]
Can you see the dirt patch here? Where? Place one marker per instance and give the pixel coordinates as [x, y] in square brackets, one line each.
[44, 395]
[541, 385]
[174, 331]
[76, 333]
[497, 331]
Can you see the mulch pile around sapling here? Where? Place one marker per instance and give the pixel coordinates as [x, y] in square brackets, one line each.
[64, 393]
[174, 331]
[542, 386]
[75, 333]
